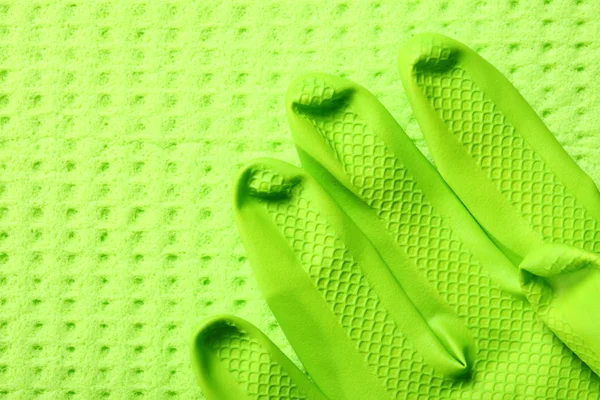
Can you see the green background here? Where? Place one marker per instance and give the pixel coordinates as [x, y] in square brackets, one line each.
[122, 124]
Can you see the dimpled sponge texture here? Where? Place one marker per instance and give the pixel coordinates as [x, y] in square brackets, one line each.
[123, 123]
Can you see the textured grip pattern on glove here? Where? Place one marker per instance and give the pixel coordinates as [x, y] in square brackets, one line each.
[387, 186]
[250, 365]
[556, 262]
[518, 173]
[498, 321]
[336, 275]
[264, 183]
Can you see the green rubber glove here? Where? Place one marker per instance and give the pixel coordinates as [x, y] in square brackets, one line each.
[233, 360]
[344, 312]
[531, 198]
[382, 281]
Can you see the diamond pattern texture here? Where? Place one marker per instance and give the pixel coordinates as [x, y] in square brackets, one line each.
[519, 174]
[509, 336]
[357, 307]
[264, 183]
[250, 365]
[541, 295]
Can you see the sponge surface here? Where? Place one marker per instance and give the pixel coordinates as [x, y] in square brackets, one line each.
[122, 125]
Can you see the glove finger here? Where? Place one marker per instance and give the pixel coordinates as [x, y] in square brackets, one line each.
[234, 360]
[343, 312]
[350, 143]
[562, 283]
[353, 147]
[495, 152]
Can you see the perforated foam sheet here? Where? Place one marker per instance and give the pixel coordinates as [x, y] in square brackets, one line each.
[122, 125]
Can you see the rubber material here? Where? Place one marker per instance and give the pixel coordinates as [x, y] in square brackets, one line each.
[502, 161]
[353, 147]
[562, 283]
[350, 143]
[495, 152]
[233, 360]
[339, 305]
